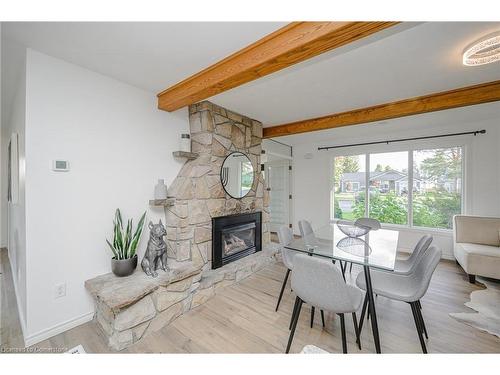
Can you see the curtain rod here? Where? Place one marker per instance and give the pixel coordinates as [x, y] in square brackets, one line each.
[476, 132]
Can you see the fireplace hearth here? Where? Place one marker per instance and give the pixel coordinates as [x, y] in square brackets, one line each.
[235, 236]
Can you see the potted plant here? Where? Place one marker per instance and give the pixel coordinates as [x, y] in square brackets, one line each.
[124, 245]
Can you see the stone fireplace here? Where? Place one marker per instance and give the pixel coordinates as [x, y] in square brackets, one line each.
[199, 195]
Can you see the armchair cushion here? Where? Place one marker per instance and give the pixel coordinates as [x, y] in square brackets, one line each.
[477, 259]
[476, 229]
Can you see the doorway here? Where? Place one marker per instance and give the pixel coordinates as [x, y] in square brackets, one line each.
[278, 184]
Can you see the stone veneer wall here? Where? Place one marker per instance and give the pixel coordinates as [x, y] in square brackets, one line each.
[199, 195]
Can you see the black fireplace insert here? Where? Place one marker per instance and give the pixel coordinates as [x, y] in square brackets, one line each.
[235, 236]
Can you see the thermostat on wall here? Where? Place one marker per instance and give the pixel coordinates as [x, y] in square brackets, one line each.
[60, 165]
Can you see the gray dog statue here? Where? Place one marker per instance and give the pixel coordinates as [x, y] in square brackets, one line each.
[156, 252]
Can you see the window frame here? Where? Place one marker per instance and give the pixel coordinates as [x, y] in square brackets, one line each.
[410, 147]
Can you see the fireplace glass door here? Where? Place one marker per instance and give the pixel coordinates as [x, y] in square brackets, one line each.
[238, 238]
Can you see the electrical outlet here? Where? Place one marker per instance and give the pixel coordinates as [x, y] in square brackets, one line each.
[60, 291]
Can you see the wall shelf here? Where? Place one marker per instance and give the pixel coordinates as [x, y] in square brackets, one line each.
[184, 154]
[162, 202]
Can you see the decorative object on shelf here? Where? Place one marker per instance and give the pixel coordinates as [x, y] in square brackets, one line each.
[352, 230]
[156, 253]
[185, 143]
[161, 190]
[237, 175]
[124, 245]
[484, 51]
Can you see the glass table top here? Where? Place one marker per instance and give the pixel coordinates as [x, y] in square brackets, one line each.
[375, 249]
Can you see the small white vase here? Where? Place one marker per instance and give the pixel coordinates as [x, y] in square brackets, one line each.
[185, 143]
[161, 190]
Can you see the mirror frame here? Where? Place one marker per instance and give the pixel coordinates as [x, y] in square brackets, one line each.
[222, 166]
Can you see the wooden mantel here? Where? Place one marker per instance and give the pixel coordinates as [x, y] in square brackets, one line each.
[461, 97]
[287, 46]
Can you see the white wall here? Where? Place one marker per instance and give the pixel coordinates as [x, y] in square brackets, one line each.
[312, 177]
[118, 144]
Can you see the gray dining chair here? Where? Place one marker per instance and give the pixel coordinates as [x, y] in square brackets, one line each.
[409, 288]
[373, 224]
[320, 284]
[305, 228]
[285, 236]
[406, 266]
[307, 233]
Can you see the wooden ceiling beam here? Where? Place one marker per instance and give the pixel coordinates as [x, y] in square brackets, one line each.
[465, 96]
[287, 46]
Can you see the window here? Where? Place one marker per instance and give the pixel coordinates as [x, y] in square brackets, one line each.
[388, 201]
[349, 191]
[436, 178]
[437, 186]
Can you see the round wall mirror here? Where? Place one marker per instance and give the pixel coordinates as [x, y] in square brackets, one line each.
[237, 175]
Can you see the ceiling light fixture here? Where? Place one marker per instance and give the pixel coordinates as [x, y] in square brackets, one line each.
[483, 52]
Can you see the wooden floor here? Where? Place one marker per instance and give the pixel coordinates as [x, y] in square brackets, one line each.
[241, 319]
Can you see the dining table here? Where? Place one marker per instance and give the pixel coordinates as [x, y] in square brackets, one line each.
[376, 249]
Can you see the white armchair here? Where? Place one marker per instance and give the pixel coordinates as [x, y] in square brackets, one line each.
[476, 245]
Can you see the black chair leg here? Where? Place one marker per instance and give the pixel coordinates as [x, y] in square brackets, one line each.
[344, 339]
[356, 330]
[323, 318]
[294, 324]
[362, 318]
[422, 323]
[350, 268]
[343, 268]
[414, 310]
[312, 316]
[293, 313]
[282, 289]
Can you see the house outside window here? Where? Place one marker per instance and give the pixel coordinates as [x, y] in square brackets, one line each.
[436, 177]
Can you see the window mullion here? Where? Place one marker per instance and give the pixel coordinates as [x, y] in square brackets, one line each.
[410, 188]
[367, 185]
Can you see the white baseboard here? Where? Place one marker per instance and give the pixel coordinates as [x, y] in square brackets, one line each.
[58, 328]
[18, 301]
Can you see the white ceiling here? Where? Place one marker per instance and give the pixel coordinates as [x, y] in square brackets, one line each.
[407, 60]
[423, 59]
[149, 55]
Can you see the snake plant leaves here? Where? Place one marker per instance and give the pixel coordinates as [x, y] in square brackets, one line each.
[113, 250]
[124, 243]
[137, 235]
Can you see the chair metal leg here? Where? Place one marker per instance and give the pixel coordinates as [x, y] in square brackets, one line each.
[293, 313]
[356, 330]
[282, 289]
[414, 310]
[294, 325]
[350, 268]
[323, 318]
[420, 316]
[343, 267]
[362, 317]
[312, 316]
[344, 339]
